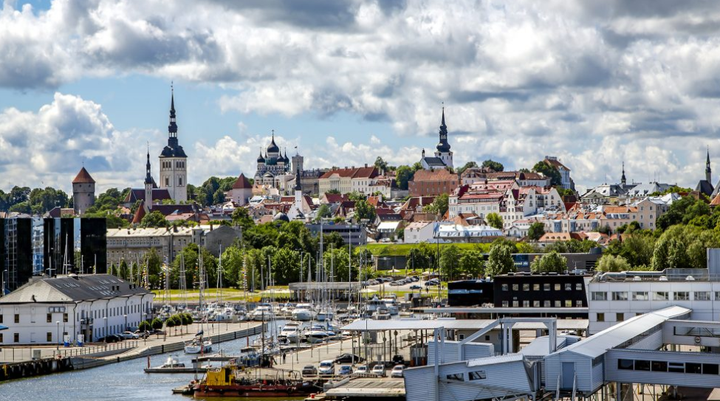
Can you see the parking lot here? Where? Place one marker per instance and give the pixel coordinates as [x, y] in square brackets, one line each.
[409, 287]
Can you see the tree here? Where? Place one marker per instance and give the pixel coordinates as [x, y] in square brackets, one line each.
[380, 164]
[439, 205]
[286, 266]
[466, 166]
[612, 263]
[403, 175]
[548, 171]
[471, 263]
[500, 259]
[323, 211]
[494, 220]
[449, 261]
[536, 231]
[364, 210]
[232, 265]
[549, 262]
[495, 166]
[154, 219]
[418, 259]
[241, 217]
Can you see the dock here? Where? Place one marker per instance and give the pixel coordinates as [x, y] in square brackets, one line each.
[368, 388]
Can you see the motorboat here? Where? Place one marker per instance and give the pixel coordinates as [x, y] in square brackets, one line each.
[290, 333]
[381, 314]
[172, 365]
[325, 314]
[263, 312]
[374, 304]
[391, 306]
[303, 313]
[316, 335]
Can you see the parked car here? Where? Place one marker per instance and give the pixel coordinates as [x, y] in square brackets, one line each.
[379, 370]
[112, 338]
[348, 358]
[432, 282]
[326, 368]
[345, 370]
[415, 287]
[361, 370]
[309, 370]
[373, 282]
[129, 335]
[396, 283]
[397, 371]
[415, 279]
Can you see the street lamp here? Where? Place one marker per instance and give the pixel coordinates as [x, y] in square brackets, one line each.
[57, 323]
[106, 333]
[126, 326]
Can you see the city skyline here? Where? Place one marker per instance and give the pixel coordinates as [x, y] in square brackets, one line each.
[349, 81]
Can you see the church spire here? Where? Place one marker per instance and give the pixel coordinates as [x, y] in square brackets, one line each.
[623, 181]
[298, 187]
[172, 128]
[148, 174]
[443, 145]
[708, 170]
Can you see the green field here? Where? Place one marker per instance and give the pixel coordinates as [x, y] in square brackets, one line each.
[404, 249]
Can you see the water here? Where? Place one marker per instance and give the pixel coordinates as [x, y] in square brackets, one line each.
[117, 381]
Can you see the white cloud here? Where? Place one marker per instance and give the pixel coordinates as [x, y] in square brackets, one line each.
[593, 85]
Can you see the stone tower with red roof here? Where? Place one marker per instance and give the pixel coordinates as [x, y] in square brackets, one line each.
[83, 192]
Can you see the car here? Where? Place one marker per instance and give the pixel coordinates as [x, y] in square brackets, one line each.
[309, 370]
[397, 371]
[430, 283]
[415, 279]
[112, 338]
[373, 282]
[378, 370]
[326, 368]
[345, 370]
[396, 283]
[129, 335]
[348, 358]
[360, 370]
[415, 287]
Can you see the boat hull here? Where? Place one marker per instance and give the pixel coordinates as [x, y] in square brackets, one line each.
[254, 390]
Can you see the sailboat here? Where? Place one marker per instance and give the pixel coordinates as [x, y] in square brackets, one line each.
[198, 345]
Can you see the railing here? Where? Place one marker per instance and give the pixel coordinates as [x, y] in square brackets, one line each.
[12, 354]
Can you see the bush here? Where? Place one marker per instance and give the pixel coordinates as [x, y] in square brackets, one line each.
[145, 325]
[186, 318]
[157, 323]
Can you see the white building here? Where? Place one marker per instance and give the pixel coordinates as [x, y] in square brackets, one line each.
[71, 309]
[131, 244]
[459, 233]
[419, 231]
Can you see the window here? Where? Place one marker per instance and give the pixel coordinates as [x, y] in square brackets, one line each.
[676, 367]
[1, 317]
[568, 286]
[546, 303]
[578, 304]
[526, 304]
[642, 365]
[717, 297]
[455, 377]
[180, 181]
[619, 317]
[681, 296]
[536, 304]
[558, 303]
[49, 337]
[16, 337]
[65, 317]
[568, 303]
[599, 296]
[558, 287]
[708, 368]
[659, 366]
[661, 296]
[515, 287]
[167, 181]
[619, 296]
[536, 287]
[515, 304]
[546, 286]
[1, 337]
[526, 287]
[702, 295]
[625, 364]
[693, 368]
[578, 286]
[640, 296]
[505, 304]
[504, 287]
[477, 375]
[17, 318]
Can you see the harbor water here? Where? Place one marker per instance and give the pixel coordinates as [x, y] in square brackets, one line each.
[118, 381]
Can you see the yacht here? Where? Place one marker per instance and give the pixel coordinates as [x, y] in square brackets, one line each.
[381, 314]
[303, 313]
[317, 335]
[391, 305]
[374, 304]
[290, 333]
[325, 314]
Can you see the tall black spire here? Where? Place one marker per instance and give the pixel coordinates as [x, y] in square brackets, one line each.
[298, 187]
[172, 128]
[623, 181]
[443, 145]
[148, 173]
[708, 170]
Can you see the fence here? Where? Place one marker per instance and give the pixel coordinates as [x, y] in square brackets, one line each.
[18, 354]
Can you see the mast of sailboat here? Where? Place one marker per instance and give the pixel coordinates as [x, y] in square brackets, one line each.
[218, 290]
[183, 282]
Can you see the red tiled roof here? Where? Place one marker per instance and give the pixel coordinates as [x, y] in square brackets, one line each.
[358, 172]
[242, 183]
[83, 177]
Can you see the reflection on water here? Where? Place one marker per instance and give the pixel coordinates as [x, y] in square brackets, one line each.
[118, 381]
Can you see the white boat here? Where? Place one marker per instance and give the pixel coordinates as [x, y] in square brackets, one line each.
[391, 306]
[316, 336]
[325, 314]
[290, 333]
[381, 314]
[374, 304]
[198, 346]
[303, 313]
[262, 313]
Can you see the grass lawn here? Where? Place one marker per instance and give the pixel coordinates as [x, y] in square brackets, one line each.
[404, 249]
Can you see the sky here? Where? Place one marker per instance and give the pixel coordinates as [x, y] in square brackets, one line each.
[594, 83]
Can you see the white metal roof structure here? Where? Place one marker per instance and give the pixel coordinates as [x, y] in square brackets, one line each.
[453, 324]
